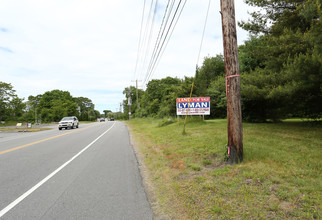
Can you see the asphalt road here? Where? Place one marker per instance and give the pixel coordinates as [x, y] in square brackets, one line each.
[85, 173]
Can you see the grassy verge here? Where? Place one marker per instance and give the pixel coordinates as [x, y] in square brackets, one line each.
[23, 129]
[280, 177]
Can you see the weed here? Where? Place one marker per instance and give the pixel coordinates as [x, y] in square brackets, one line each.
[280, 177]
[166, 121]
[206, 162]
[194, 167]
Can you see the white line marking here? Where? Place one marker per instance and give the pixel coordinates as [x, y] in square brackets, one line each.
[23, 196]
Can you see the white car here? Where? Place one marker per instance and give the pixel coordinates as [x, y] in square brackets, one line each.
[68, 122]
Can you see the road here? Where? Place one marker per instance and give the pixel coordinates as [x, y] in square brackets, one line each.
[85, 173]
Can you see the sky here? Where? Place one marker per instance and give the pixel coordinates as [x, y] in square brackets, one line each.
[93, 49]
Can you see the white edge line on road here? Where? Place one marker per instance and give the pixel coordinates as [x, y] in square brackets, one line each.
[23, 196]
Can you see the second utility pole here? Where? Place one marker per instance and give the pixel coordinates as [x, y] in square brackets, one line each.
[234, 116]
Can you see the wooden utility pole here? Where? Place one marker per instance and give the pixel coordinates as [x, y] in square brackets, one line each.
[129, 102]
[234, 117]
[137, 94]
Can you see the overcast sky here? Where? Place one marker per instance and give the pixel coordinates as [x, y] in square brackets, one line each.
[90, 47]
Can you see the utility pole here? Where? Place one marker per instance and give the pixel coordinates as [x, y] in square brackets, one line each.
[234, 116]
[137, 94]
[129, 102]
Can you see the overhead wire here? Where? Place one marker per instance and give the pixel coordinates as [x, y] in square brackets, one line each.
[157, 43]
[158, 53]
[142, 46]
[203, 33]
[150, 30]
[164, 35]
[165, 40]
[143, 65]
[140, 38]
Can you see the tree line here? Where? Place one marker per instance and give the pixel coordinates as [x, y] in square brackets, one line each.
[280, 66]
[51, 106]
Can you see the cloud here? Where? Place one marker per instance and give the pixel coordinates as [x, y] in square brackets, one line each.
[90, 47]
[2, 29]
[5, 49]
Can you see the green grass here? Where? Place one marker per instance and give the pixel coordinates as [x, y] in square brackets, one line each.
[280, 177]
[8, 123]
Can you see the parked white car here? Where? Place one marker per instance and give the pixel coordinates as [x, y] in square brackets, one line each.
[68, 122]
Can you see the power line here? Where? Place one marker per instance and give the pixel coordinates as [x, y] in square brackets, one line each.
[169, 27]
[157, 43]
[150, 31]
[138, 52]
[165, 40]
[203, 33]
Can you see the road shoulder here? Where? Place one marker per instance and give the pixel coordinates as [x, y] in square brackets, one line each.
[146, 179]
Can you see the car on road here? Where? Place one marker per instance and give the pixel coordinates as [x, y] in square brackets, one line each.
[68, 122]
[111, 119]
[102, 119]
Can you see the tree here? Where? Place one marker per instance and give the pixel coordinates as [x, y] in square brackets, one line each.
[97, 114]
[106, 113]
[62, 108]
[275, 15]
[85, 105]
[160, 94]
[7, 93]
[130, 95]
[283, 72]
[211, 68]
[17, 107]
[32, 105]
[218, 100]
[56, 104]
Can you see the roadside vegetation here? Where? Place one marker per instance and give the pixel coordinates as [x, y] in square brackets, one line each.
[280, 177]
[23, 129]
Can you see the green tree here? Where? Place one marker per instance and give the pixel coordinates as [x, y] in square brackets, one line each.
[281, 69]
[97, 114]
[17, 108]
[85, 106]
[130, 95]
[106, 113]
[211, 68]
[32, 106]
[131, 92]
[56, 104]
[7, 93]
[218, 100]
[274, 15]
[159, 97]
[62, 108]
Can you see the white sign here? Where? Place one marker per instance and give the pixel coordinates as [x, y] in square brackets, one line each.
[193, 106]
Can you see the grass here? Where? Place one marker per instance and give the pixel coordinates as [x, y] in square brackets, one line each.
[23, 129]
[280, 177]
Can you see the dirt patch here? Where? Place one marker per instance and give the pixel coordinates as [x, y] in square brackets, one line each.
[286, 206]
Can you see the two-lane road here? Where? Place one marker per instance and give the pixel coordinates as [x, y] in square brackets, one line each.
[85, 173]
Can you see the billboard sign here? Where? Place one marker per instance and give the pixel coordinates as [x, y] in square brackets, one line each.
[193, 106]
